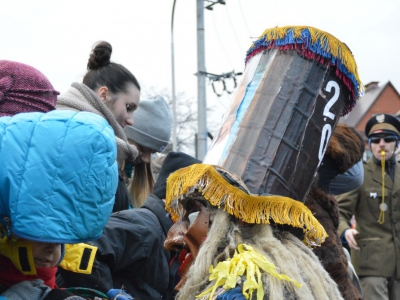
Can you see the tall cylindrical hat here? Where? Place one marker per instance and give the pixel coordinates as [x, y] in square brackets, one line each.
[297, 83]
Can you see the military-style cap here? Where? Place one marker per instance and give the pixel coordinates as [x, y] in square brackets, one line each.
[382, 123]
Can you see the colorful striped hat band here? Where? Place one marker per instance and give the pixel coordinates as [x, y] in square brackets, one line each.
[318, 46]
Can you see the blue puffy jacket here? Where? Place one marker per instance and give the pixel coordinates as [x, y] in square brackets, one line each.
[58, 175]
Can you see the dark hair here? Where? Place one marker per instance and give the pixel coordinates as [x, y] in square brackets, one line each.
[103, 72]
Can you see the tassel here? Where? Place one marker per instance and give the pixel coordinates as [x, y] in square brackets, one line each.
[251, 209]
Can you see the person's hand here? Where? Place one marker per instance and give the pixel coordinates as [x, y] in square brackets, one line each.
[349, 235]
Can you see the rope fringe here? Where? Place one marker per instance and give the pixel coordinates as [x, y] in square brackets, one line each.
[251, 209]
[314, 44]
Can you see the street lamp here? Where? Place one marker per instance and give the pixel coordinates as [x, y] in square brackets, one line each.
[174, 138]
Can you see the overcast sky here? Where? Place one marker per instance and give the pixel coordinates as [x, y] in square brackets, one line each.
[56, 36]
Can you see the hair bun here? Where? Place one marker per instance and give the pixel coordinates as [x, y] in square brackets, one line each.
[100, 56]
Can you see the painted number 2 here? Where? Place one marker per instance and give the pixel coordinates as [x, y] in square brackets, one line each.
[327, 129]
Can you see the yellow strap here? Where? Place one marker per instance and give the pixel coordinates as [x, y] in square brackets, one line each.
[14, 249]
[79, 258]
[381, 219]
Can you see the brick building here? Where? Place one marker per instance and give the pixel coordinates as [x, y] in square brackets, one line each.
[384, 99]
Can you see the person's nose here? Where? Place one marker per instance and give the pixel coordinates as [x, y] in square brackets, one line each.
[50, 248]
[382, 142]
[129, 120]
[176, 233]
[145, 157]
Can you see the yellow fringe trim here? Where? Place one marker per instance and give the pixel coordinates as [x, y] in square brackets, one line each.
[330, 43]
[245, 262]
[251, 209]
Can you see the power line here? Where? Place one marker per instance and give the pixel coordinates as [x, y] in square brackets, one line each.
[244, 19]
[221, 79]
[218, 82]
[220, 42]
[210, 6]
[234, 32]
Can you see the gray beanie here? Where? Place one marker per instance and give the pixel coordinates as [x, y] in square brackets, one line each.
[152, 123]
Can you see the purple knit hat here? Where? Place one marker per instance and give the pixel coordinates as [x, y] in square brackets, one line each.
[24, 89]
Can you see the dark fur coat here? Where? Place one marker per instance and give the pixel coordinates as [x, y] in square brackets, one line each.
[345, 148]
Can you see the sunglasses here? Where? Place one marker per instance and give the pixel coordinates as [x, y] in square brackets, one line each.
[387, 139]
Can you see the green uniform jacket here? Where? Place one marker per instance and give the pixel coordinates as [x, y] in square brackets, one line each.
[379, 253]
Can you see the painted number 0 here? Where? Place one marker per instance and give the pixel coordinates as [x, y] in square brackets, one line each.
[327, 129]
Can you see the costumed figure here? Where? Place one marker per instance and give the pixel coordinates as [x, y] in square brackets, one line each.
[235, 211]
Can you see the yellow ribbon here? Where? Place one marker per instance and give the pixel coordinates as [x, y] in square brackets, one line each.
[245, 262]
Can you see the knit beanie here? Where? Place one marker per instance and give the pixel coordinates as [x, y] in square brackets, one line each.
[24, 89]
[172, 162]
[152, 123]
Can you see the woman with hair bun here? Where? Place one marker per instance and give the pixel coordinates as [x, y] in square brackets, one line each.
[111, 91]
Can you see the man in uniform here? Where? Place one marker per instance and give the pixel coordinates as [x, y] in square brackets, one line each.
[375, 241]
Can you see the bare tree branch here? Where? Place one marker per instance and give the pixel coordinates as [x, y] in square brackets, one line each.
[186, 108]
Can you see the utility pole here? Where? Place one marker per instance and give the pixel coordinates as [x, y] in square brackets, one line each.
[201, 84]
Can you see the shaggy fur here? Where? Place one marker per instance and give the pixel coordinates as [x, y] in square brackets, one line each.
[288, 253]
[346, 148]
[331, 253]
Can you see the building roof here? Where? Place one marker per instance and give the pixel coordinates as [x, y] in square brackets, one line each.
[372, 93]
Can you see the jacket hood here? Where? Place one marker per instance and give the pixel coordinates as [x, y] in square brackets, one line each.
[58, 175]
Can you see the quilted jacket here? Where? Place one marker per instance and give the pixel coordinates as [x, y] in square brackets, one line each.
[58, 175]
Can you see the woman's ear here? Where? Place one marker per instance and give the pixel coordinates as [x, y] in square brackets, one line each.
[103, 93]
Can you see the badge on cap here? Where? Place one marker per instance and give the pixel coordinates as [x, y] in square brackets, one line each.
[380, 118]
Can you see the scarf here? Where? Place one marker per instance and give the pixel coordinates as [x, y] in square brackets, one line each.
[10, 275]
[81, 98]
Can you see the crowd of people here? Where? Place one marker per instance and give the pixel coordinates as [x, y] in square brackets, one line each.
[267, 214]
